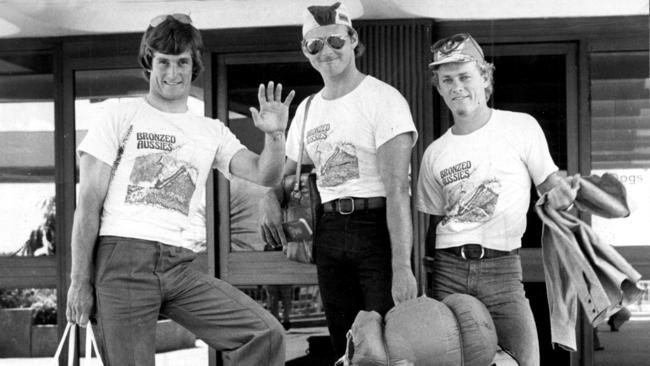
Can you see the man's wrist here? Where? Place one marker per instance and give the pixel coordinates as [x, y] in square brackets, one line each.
[80, 277]
[276, 135]
[401, 265]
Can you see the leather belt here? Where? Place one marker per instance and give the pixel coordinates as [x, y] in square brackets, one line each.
[476, 251]
[347, 205]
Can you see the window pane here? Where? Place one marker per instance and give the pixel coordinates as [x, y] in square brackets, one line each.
[26, 154]
[620, 131]
[620, 120]
[28, 318]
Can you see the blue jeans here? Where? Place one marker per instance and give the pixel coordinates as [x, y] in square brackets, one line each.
[353, 260]
[497, 282]
[136, 280]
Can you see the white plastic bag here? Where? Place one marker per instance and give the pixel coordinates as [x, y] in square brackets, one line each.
[70, 334]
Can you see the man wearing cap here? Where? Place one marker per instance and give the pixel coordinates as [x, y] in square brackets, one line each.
[143, 168]
[359, 134]
[474, 183]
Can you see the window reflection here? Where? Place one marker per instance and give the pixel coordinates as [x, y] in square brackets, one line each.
[620, 119]
[620, 145]
[26, 154]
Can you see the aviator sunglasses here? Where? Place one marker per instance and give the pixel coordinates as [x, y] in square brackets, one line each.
[448, 45]
[183, 18]
[314, 45]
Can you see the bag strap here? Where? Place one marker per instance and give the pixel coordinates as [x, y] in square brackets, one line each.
[91, 343]
[296, 186]
[62, 341]
[120, 151]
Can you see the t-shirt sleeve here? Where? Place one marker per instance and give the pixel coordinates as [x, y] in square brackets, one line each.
[538, 158]
[393, 117]
[229, 146]
[429, 196]
[294, 134]
[105, 132]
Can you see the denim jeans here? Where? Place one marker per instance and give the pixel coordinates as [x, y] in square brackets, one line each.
[353, 260]
[136, 280]
[497, 282]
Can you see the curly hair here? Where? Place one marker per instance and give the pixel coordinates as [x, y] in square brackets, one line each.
[171, 37]
[485, 68]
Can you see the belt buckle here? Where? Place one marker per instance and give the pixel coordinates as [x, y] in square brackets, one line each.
[339, 205]
[462, 252]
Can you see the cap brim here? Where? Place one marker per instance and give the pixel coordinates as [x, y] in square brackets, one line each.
[453, 58]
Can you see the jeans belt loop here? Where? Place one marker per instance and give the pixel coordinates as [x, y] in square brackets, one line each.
[462, 252]
[339, 205]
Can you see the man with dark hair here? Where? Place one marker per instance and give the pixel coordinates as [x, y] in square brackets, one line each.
[475, 183]
[359, 134]
[143, 168]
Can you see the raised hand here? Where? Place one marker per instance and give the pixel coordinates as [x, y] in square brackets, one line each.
[273, 114]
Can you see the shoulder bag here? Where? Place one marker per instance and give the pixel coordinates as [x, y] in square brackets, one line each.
[301, 201]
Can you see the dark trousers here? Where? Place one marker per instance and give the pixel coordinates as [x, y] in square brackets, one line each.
[353, 259]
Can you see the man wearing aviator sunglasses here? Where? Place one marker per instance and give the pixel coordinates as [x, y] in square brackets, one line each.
[474, 183]
[359, 134]
[314, 45]
[143, 169]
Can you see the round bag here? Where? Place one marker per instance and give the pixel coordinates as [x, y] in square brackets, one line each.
[426, 332]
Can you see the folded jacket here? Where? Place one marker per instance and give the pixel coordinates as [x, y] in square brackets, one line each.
[578, 266]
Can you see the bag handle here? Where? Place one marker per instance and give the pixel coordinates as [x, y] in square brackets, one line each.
[91, 343]
[120, 151]
[296, 185]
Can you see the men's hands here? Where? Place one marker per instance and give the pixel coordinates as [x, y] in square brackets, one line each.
[561, 196]
[270, 220]
[404, 285]
[80, 302]
[273, 114]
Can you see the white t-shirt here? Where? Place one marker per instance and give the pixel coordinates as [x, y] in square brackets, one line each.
[480, 182]
[343, 135]
[162, 172]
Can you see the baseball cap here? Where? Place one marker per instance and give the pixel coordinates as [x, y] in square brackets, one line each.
[318, 16]
[457, 48]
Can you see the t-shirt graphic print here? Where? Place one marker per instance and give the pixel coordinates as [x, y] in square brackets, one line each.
[470, 200]
[162, 180]
[338, 161]
[340, 166]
